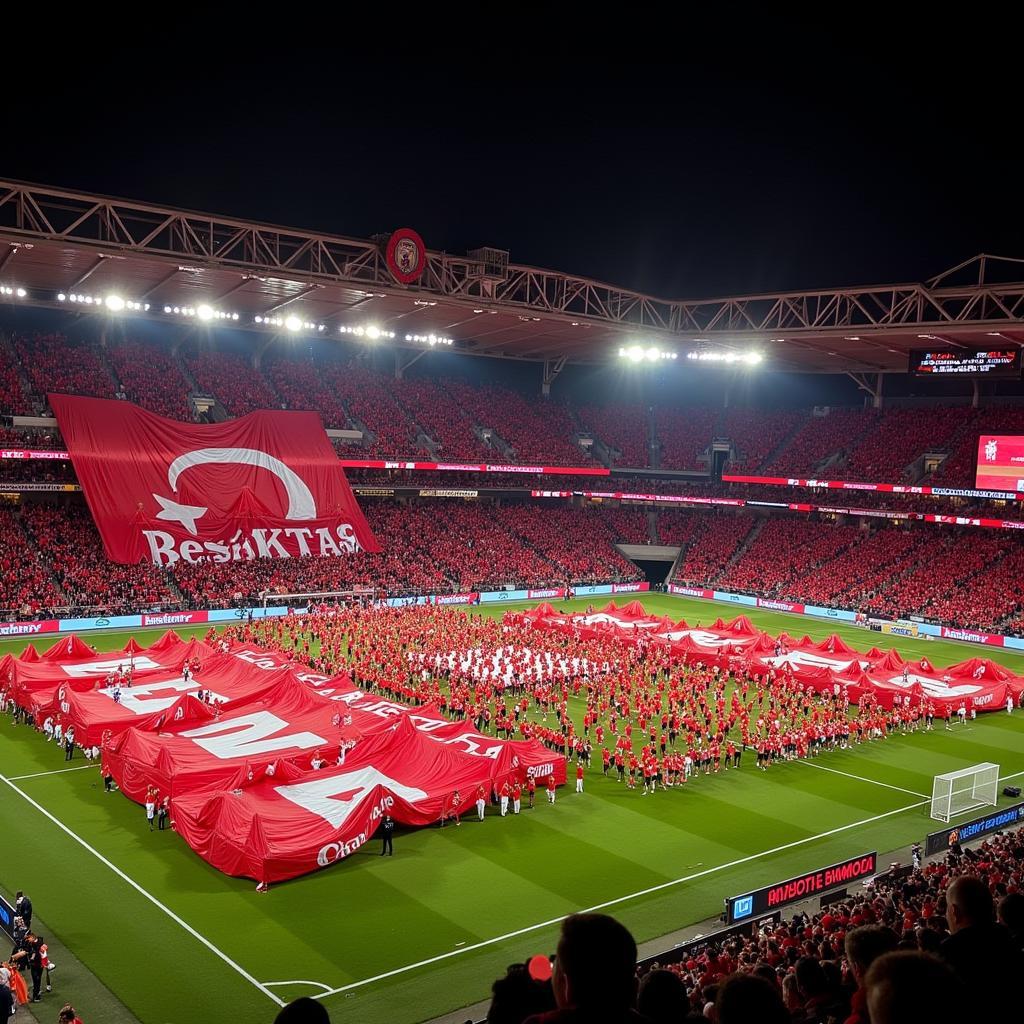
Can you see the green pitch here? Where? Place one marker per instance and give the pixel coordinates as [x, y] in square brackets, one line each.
[407, 938]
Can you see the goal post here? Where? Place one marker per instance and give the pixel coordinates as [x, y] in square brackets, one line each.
[958, 792]
[358, 595]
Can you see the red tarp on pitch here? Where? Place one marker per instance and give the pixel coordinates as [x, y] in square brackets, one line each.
[266, 485]
[979, 683]
[276, 826]
[268, 714]
[73, 664]
[154, 697]
[264, 721]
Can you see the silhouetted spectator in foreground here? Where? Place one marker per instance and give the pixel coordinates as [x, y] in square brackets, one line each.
[822, 1000]
[518, 996]
[746, 998]
[595, 973]
[1011, 917]
[303, 1011]
[904, 986]
[980, 951]
[864, 946]
[662, 997]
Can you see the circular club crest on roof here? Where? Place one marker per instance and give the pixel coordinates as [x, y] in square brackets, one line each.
[406, 255]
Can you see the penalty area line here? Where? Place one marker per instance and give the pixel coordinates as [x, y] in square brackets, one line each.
[859, 778]
[143, 892]
[297, 981]
[622, 899]
[56, 771]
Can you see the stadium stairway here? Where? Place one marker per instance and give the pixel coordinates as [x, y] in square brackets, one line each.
[743, 548]
[782, 445]
[357, 424]
[184, 370]
[104, 360]
[653, 444]
[964, 582]
[26, 385]
[839, 459]
[928, 554]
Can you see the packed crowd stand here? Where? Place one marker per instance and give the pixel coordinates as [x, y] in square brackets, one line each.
[864, 444]
[439, 546]
[969, 578]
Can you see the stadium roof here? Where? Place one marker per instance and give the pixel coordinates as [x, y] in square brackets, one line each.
[56, 241]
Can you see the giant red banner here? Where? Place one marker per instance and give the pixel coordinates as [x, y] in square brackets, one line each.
[262, 724]
[266, 485]
[978, 683]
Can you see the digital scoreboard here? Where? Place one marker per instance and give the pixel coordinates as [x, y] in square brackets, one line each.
[965, 362]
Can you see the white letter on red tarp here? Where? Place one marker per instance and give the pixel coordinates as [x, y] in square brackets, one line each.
[247, 735]
[333, 797]
[102, 668]
[138, 700]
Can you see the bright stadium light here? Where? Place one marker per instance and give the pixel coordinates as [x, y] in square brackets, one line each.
[429, 339]
[711, 356]
[204, 312]
[293, 323]
[371, 331]
[21, 293]
[650, 354]
[114, 303]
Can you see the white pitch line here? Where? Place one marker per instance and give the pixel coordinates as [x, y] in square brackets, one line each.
[56, 771]
[621, 899]
[859, 778]
[142, 892]
[315, 984]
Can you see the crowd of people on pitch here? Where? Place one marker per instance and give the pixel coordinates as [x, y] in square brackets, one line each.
[27, 972]
[650, 721]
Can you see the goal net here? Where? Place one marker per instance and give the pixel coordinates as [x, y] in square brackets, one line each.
[324, 599]
[957, 792]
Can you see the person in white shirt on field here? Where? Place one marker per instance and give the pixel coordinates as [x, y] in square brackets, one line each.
[1009, 706]
[48, 727]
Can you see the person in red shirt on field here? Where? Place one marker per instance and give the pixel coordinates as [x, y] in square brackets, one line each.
[579, 778]
[517, 796]
[481, 801]
[452, 809]
[531, 789]
[551, 789]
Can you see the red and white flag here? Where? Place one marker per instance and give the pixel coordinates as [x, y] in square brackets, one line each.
[266, 485]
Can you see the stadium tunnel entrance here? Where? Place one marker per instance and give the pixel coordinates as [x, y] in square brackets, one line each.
[655, 561]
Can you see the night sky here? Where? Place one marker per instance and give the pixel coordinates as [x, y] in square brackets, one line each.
[717, 164]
